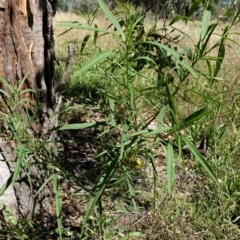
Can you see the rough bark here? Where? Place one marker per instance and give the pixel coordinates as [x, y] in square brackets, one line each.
[27, 49]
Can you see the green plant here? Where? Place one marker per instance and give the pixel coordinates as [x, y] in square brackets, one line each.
[141, 52]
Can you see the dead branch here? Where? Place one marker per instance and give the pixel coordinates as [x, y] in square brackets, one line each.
[69, 63]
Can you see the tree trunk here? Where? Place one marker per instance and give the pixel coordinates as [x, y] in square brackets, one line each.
[27, 50]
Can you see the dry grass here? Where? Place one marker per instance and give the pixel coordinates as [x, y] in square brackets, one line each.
[105, 42]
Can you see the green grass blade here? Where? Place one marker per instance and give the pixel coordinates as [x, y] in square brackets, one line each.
[161, 114]
[141, 132]
[93, 62]
[4, 93]
[180, 146]
[203, 45]
[211, 99]
[84, 42]
[205, 23]
[18, 164]
[95, 36]
[209, 68]
[74, 25]
[155, 174]
[131, 92]
[58, 202]
[6, 185]
[111, 18]
[9, 86]
[123, 139]
[221, 52]
[170, 166]
[193, 7]
[42, 186]
[198, 156]
[194, 117]
[220, 58]
[76, 126]
[171, 104]
[22, 82]
[176, 19]
[190, 120]
[14, 175]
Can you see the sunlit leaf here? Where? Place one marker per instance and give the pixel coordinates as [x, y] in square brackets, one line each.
[111, 18]
[94, 61]
[198, 156]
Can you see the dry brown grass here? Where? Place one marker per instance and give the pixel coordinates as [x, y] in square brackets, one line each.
[105, 42]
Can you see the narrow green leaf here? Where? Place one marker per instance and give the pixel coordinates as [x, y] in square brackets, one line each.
[175, 54]
[147, 59]
[22, 82]
[18, 163]
[123, 139]
[73, 25]
[43, 185]
[4, 93]
[198, 156]
[170, 166]
[76, 126]
[6, 185]
[193, 7]
[221, 51]
[132, 94]
[141, 132]
[111, 18]
[190, 120]
[95, 36]
[161, 114]
[84, 42]
[58, 203]
[220, 58]
[14, 175]
[176, 19]
[194, 117]
[26, 91]
[93, 62]
[211, 99]
[112, 104]
[180, 146]
[209, 68]
[171, 104]
[205, 23]
[9, 86]
[203, 43]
